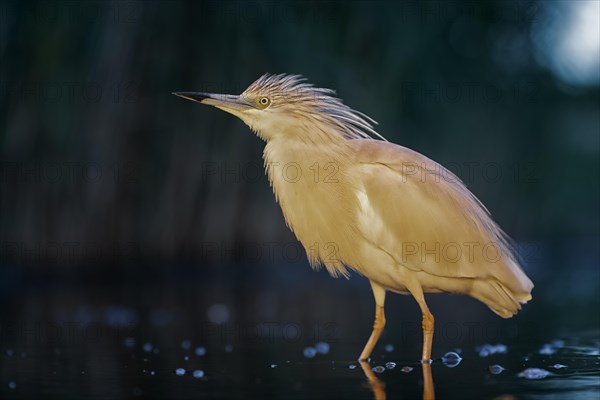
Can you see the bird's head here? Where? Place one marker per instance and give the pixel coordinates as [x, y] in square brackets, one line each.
[286, 105]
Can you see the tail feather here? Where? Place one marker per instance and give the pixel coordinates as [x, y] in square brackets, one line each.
[498, 297]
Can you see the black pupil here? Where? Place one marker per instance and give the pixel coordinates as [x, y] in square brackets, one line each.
[264, 101]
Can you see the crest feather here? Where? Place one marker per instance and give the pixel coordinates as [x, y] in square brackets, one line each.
[293, 90]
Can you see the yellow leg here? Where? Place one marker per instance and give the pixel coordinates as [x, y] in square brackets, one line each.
[428, 320]
[379, 294]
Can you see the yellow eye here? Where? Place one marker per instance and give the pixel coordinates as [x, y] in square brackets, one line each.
[264, 101]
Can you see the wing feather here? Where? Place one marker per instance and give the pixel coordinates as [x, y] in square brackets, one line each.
[433, 223]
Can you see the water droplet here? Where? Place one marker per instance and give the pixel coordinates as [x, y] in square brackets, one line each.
[559, 366]
[500, 349]
[389, 348]
[451, 359]
[547, 350]
[228, 348]
[490, 349]
[147, 347]
[273, 365]
[352, 366]
[12, 385]
[322, 347]
[198, 374]
[186, 344]
[390, 365]
[152, 373]
[379, 369]
[180, 371]
[310, 352]
[495, 369]
[406, 369]
[533, 373]
[200, 351]
[186, 358]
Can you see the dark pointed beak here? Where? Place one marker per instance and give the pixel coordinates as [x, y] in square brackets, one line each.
[194, 96]
[226, 102]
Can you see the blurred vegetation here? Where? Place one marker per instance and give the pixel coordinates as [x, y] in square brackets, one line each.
[102, 165]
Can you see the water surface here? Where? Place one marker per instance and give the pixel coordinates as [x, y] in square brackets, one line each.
[218, 338]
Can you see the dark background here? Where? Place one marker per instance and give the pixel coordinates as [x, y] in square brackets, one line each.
[118, 199]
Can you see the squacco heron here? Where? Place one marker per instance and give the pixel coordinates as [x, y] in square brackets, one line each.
[355, 200]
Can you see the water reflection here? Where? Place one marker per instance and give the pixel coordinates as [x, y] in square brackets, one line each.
[115, 345]
[451, 359]
[527, 375]
[378, 387]
[428, 391]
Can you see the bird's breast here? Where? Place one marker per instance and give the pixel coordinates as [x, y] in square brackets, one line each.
[318, 200]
